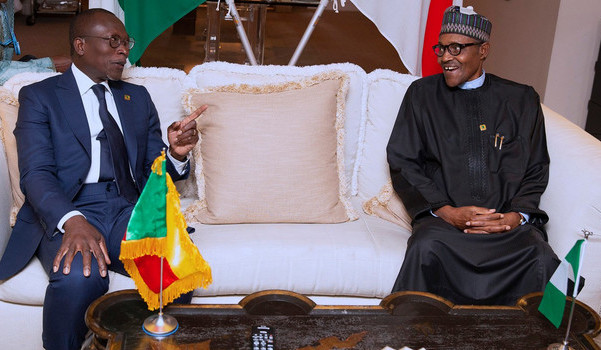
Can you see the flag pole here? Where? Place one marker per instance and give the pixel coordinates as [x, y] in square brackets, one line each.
[160, 325]
[564, 345]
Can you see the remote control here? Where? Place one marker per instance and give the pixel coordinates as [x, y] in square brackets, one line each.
[262, 338]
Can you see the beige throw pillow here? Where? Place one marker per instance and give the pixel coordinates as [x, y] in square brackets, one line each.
[272, 153]
[9, 108]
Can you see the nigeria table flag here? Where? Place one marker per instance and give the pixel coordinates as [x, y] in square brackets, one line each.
[157, 228]
[554, 299]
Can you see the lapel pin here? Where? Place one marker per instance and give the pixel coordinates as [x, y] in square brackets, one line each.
[126, 97]
[482, 127]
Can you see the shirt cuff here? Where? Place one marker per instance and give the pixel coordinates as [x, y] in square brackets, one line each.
[64, 219]
[179, 166]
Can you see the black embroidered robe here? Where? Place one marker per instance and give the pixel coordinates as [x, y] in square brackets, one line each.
[484, 147]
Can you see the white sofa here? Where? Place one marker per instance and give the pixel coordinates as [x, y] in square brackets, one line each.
[354, 262]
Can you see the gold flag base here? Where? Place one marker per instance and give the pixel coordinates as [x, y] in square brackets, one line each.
[160, 325]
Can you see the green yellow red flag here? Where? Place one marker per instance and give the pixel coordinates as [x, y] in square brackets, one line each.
[157, 228]
[146, 20]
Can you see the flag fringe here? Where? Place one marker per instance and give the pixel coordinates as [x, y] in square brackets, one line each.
[144, 246]
[200, 279]
[174, 208]
[195, 272]
[157, 165]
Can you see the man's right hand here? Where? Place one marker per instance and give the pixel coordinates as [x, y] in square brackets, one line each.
[80, 236]
[460, 216]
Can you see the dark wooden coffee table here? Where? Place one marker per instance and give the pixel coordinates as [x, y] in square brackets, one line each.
[403, 319]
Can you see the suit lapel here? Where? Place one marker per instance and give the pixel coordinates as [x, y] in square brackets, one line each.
[126, 110]
[72, 109]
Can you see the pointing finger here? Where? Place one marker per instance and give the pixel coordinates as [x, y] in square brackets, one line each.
[194, 115]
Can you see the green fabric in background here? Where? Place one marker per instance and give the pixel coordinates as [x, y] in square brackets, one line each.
[145, 20]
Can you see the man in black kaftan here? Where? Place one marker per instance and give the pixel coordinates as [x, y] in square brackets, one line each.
[468, 158]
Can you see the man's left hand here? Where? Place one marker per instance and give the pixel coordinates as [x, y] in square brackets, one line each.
[183, 135]
[493, 223]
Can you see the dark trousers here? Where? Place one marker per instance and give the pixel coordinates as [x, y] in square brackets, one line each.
[68, 296]
[494, 269]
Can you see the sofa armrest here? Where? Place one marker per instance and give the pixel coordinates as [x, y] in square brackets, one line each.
[573, 197]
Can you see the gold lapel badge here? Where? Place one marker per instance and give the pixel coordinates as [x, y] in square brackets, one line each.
[126, 97]
[482, 127]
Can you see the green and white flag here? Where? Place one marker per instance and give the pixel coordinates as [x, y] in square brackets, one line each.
[554, 299]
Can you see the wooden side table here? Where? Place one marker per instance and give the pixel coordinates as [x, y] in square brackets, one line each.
[403, 319]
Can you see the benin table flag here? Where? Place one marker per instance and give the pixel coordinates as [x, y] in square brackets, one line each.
[554, 299]
[157, 228]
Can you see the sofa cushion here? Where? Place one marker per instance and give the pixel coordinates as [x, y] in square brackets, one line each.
[356, 258]
[360, 258]
[272, 153]
[16, 82]
[213, 74]
[28, 287]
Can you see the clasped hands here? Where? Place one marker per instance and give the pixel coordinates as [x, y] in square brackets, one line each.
[478, 220]
[80, 236]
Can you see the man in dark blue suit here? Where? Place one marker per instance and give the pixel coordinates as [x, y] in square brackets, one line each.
[86, 141]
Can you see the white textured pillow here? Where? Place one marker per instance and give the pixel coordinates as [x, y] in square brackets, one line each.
[385, 92]
[165, 86]
[272, 153]
[213, 74]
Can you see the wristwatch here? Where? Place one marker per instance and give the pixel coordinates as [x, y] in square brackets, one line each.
[522, 219]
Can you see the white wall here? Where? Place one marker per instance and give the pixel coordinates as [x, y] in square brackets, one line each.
[575, 51]
[550, 44]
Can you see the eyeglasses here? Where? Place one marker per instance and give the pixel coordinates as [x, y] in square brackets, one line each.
[453, 48]
[114, 41]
